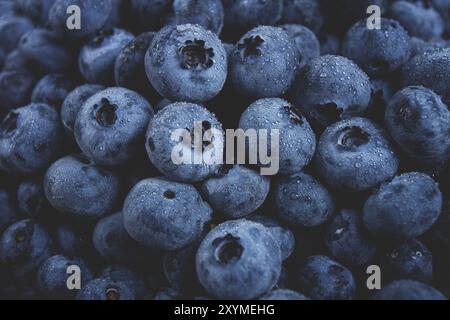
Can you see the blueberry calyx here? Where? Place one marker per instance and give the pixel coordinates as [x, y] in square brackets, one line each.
[169, 194]
[195, 55]
[106, 113]
[20, 236]
[112, 294]
[228, 249]
[98, 40]
[250, 47]
[294, 115]
[353, 137]
[9, 125]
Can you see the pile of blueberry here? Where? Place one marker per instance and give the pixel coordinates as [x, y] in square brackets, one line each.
[92, 205]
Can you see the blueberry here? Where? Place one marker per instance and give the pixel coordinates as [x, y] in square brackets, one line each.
[106, 289]
[73, 241]
[330, 88]
[97, 58]
[347, 239]
[297, 141]
[306, 41]
[15, 89]
[242, 15]
[35, 10]
[8, 212]
[443, 6]
[179, 269]
[53, 275]
[121, 274]
[11, 29]
[32, 201]
[250, 58]
[24, 245]
[355, 155]
[301, 201]
[46, 51]
[419, 20]
[419, 121]
[95, 16]
[73, 103]
[419, 46]
[165, 215]
[283, 294]
[52, 89]
[232, 254]
[30, 139]
[15, 60]
[129, 68]
[110, 126]
[408, 290]
[284, 236]
[378, 51]
[150, 14]
[407, 206]
[76, 186]
[321, 278]
[160, 144]
[304, 12]
[237, 192]
[186, 63]
[207, 14]
[113, 242]
[409, 259]
[430, 69]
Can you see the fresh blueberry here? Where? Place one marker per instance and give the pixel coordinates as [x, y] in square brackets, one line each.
[232, 254]
[236, 192]
[32, 201]
[95, 16]
[113, 242]
[46, 51]
[284, 236]
[330, 88]
[321, 278]
[409, 259]
[378, 51]
[160, 145]
[250, 59]
[30, 139]
[35, 10]
[297, 141]
[419, 122]
[110, 126]
[73, 103]
[306, 41]
[75, 186]
[150, 14]
[24, 245]
[419, 20]
[355, 155]
[15, 60]
[15, 89]
[347, 239]
[242, 15]
[304, 12]
[430, 69]
[443, 6]
[106, 289]
[207, 14]
[407, 206]
[11, 29]
[121, 274]
[52, 89]
[97, 57]
[129, 68]
[8, 212]
[408, 290]
[301, 201]
[186, 63]
[419, 46]
[73, 241]
[165, 215]
[283, 294]
[52, 276]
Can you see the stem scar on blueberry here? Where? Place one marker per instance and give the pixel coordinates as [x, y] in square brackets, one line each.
[228, 249]
[20, 236]
[169, 194]
[9, 125]
[194, 55]
[250, 47]
[294, 115]
[353, 137]
[112, 293]
[106, 113]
